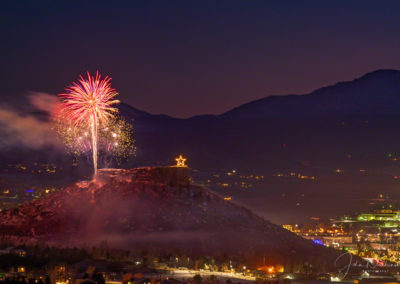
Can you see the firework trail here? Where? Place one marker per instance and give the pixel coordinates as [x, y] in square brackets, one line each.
[114, 144]
[87, 104]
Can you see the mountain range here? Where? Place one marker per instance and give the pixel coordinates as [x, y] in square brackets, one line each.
[357, 118]
[345, 135]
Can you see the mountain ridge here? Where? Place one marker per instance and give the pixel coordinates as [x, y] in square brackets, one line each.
[289, 138]
[327, 96]
[379, 75]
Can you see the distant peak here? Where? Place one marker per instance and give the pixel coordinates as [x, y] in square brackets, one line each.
[381, 73]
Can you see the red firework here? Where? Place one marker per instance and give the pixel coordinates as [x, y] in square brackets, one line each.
[89, 100]
[88, 103]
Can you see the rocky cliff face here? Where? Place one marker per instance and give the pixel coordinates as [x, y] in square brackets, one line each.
[155, 209]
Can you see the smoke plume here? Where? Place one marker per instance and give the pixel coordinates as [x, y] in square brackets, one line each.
[33, 129]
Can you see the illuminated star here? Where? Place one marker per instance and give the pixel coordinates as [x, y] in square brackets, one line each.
[180, 161]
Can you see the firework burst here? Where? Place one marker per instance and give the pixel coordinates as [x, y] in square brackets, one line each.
[88, 104]
[115, 143]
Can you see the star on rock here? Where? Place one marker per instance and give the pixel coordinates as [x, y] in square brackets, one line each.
[180, 161]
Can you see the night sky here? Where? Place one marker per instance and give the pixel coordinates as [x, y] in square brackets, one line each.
[184, 58]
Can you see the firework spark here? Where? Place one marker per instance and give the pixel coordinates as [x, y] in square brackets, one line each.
[87, 104]
[115, 142]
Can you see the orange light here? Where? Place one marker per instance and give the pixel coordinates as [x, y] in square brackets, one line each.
[180, 161]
